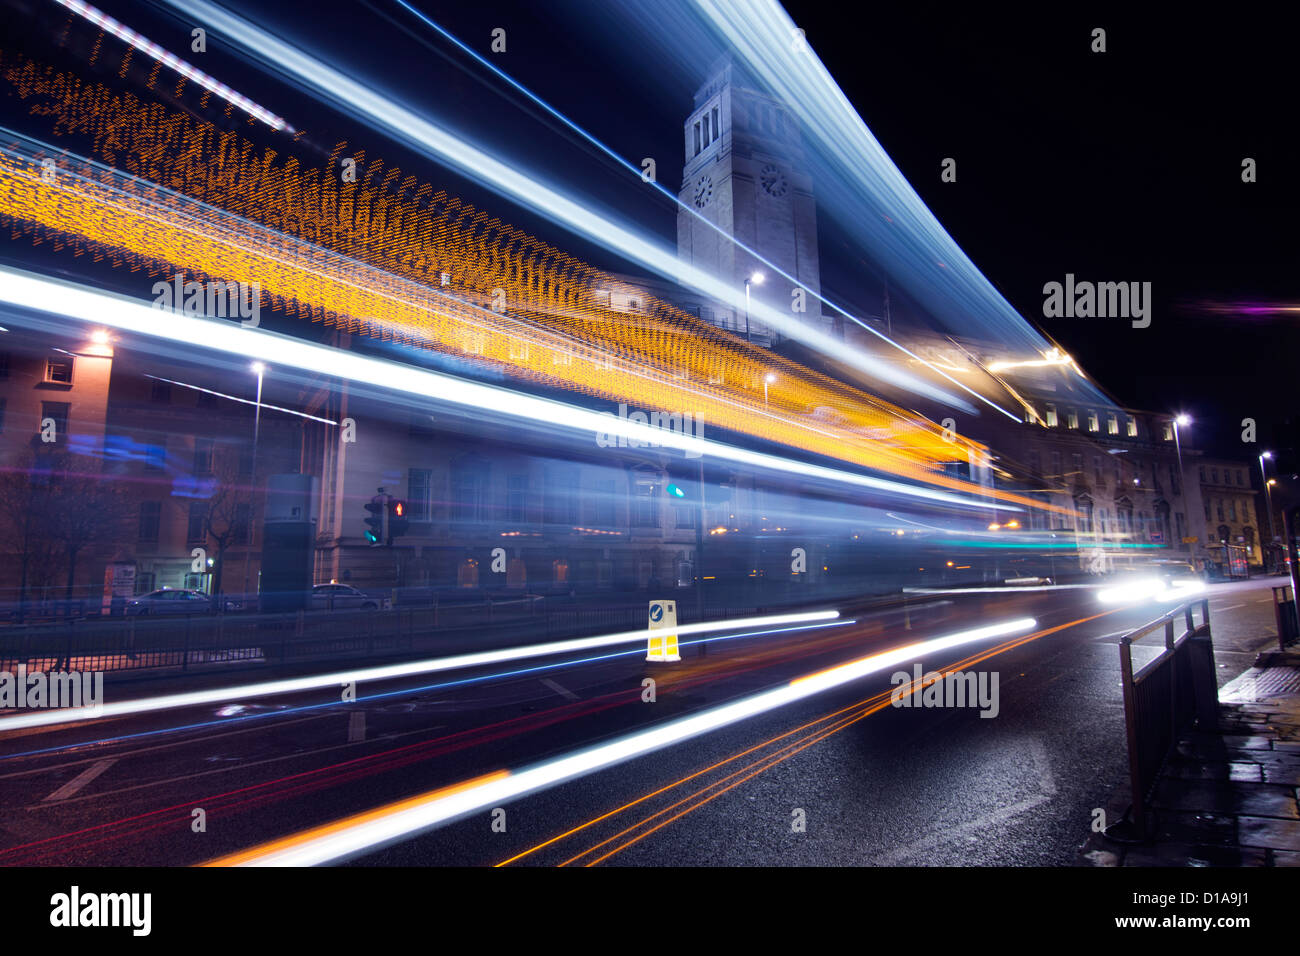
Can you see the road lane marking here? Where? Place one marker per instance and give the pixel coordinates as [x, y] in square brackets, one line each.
[562, 691]
[78, 782]
[1232, 608]
[357, 727]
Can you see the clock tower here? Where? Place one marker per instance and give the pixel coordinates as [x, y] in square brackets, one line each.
[746, 174]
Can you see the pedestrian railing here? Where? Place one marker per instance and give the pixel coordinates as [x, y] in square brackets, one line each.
[1164, 697]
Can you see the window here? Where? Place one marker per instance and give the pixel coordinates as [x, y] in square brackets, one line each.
[561, 500]
[1132, 428]
[1207, 509]
[1092, 420]
[195, 533]
[1051, 416]
[604, 503]
[1240, 478]
[1112, 424]
[1218, 504]
[1035, 463]
[1076, 466]
[717, 126]
[469, 490]
[160, 392]
[698, 144]
[203, 456]
[1232, 510]
[418, 485]
[155, 457]
[1167, 431]
[243, 524]
[1072, 418]
[517, 498]
[707, 138]
[645, 502]
[59, 370]
[150, 519]
[1202, 474]
[1056, 464]
[1096, 470]
[1214, 476]
[1173, 481]
[58, 413]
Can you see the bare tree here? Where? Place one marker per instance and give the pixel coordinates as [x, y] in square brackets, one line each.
[227, 518]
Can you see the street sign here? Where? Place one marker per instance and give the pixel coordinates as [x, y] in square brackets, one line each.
[662, 645]
[1157, 537]
[1192, 540]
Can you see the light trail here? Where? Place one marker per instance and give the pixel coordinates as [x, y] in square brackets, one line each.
[442, 145]
[386, 672]
[376, 828]
[685, 207]
[240, 718]
[197, 76]
[872, 705]
[38, 294]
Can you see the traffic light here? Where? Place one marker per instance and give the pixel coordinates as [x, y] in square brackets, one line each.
[397, 520]
[676, 490]
[377, 522]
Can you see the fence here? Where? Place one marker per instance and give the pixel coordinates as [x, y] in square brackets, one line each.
[1166, 696]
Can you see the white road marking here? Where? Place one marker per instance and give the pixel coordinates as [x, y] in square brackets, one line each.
[562, 691]
[357, 726]
[1222, 609]
[74, 785]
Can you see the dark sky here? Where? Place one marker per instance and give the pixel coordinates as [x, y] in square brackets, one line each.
[1121, 166]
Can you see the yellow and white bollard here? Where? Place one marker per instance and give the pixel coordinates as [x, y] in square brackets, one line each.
[662, 645]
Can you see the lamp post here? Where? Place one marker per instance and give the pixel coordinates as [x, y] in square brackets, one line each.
[1268, 503]
[260, 369]
[1182, 477]
[757, 279]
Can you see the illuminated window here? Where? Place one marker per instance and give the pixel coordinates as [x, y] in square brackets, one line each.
[1112, 424]
[1167, 430]
[1051, 416]
[1072, 418]
[1132, 428]
[1092, 421]
[59, 370]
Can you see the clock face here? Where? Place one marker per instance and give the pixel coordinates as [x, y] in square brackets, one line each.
[703, 192]
[773, 181]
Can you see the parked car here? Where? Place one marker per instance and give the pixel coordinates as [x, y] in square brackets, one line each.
[170, 601]
[337, 597]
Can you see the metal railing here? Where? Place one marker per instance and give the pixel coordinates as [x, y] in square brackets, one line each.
[1164, 697]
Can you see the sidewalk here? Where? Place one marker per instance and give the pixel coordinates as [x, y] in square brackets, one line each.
[1227, 797]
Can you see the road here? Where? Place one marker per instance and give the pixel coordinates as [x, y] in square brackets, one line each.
[839, 778]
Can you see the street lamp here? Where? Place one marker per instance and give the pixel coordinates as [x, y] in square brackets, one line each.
[1268, 501]
[757, 279]
[1182, 419]
[260, 369]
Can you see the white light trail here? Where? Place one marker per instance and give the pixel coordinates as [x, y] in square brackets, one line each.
[37, 293]
[45, 718]
[443, 145]
[147, 46]
[372, 830]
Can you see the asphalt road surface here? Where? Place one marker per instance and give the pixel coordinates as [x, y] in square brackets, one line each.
[838, 778]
